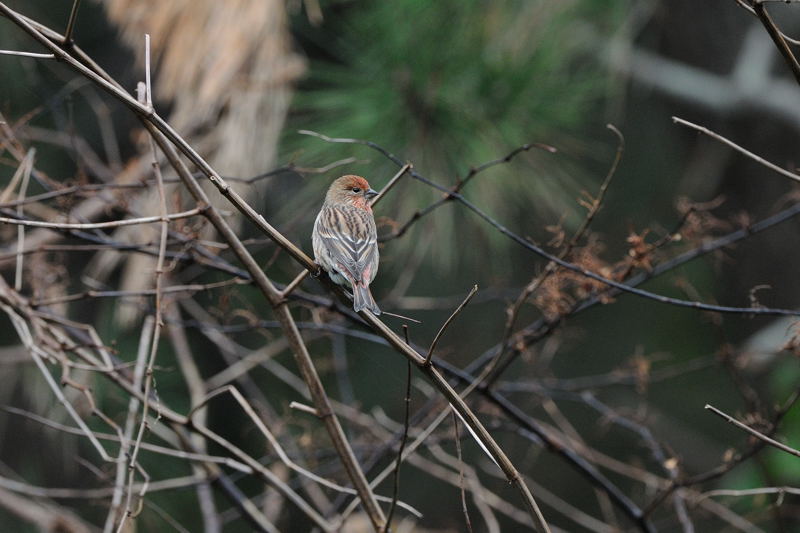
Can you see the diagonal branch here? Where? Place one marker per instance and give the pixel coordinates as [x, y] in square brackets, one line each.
[777, 37]
[753, 432]
[447, 323]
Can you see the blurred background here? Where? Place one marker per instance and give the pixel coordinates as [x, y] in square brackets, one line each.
[447, 86]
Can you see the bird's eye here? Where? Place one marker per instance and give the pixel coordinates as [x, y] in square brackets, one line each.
[356, 189]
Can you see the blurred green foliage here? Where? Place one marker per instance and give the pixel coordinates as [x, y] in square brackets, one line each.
[452, 84]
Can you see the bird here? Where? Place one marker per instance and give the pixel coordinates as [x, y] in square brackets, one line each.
[345, 239]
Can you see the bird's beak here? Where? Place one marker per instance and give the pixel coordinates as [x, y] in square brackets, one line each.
[370, 193]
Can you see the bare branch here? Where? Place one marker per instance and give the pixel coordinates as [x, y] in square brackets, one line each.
[753, 432]
[392, 183]
[101, 225]
[758, 159]
[447, 323]
[73, 15]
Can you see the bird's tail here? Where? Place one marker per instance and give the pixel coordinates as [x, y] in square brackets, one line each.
[362, 299]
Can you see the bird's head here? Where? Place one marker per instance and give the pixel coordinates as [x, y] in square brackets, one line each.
[352, 190]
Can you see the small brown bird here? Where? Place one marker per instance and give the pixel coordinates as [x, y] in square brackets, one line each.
[345, 239]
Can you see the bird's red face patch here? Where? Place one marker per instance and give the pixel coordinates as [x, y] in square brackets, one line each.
[356, 182]
[350, 189]
[354, 189]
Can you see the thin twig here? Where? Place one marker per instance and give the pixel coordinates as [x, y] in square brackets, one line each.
[73, 15]
[463, 491]
[27, 54]
[403, 440]
[101, 225]
[392, 183]
[298, 279]
[291, 167]
[92, 494]
[758, 159]
[304, 408]
[27, 165]
[447, 323]
[137, 294]
[777, 38]
[148, 101]
[753, 432]
[780, 491]
[130, 425]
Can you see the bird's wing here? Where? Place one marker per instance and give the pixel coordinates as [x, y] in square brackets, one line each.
[351, 239]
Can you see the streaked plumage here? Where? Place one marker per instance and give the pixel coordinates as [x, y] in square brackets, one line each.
[345, 239]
